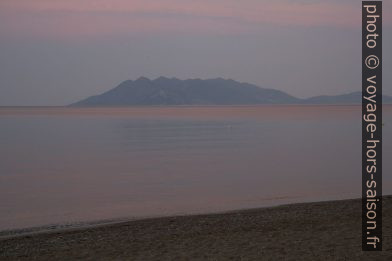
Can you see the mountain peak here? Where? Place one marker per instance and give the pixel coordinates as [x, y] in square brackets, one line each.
[143, 79]
[172, 91]
[217, 91]
[161, 78]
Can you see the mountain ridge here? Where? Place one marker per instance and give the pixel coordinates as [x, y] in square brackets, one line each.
[216, 91]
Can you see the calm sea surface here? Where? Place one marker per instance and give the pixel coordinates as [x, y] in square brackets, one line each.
[60, 165]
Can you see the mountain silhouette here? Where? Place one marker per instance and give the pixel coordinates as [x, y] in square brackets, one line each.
[349, 98]
[172, 91]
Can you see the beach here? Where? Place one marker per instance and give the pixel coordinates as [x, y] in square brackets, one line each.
[328, 230]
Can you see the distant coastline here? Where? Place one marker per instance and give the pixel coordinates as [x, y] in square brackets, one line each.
[165, 91]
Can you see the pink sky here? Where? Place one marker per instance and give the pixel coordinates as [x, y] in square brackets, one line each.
[55, 52]
[102, 17]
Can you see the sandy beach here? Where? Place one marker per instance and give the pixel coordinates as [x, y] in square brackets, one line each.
[309, 231]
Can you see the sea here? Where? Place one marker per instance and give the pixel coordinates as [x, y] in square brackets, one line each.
[61, 165]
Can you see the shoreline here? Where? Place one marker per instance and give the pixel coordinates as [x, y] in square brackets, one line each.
[82, 225]
[315, 231]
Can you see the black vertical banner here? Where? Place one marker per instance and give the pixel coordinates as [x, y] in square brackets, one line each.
[371, 125]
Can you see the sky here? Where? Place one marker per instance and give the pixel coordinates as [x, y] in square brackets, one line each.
[55, 52]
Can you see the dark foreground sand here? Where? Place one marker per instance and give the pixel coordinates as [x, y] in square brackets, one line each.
[312, 231]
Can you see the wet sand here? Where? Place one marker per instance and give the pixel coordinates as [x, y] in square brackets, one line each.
[309, 231]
